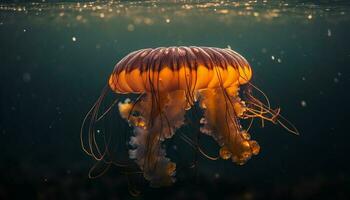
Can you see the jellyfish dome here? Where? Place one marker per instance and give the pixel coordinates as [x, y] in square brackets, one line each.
[170, 81]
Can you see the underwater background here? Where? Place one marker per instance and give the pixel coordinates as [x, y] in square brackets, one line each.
[55, 58]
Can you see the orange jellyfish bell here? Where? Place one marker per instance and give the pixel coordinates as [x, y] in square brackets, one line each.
[179, 68]
[172, 80]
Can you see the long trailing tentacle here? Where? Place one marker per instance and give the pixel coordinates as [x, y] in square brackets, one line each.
[257, 109]
[289, 127]
[109, 109]
[92, 114]
[92, 169]
[261, 92]
[196, 146]
[93, 149]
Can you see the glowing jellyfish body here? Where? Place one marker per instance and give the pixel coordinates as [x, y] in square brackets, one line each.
[172, 80]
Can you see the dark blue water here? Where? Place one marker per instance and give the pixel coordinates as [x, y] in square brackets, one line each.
[55, 58]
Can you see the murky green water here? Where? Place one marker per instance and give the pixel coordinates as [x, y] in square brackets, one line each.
[56, 57]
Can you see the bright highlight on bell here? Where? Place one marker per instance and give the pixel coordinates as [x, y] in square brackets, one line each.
[171, 81]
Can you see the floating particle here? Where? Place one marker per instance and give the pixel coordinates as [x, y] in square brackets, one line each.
[138, 20]
[148, 21]
[61, 14]
[187, 7]
[303, 78]
[79, 17]
[27, 77]
[309, 16]
[74, 39]
[273, 57]
[303, 103]
[98, 131]
[131, 27]
[339, 74]
[263, 50]
[217, 175]
[329, 32]
[336, 80]
[24, 30]
[175, 147]
[167, 21]
[279, 60]
[225, 11]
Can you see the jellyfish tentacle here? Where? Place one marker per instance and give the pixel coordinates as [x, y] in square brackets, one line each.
[108, 109]
[265, 110]
[135, 103]
[292, 127]
[99, 174]
[82, 130]
[93, 149]
[196, 147]
[235, 143]
[93, 113]
[132, 190]
[167, 114]
[261, 92]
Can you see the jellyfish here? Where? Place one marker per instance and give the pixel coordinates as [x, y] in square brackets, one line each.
[169, 82]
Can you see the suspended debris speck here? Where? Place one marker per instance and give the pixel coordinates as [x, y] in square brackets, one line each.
[336, 80]
[303, 103]
[131, 27]
[27, 77]
[329, 33]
